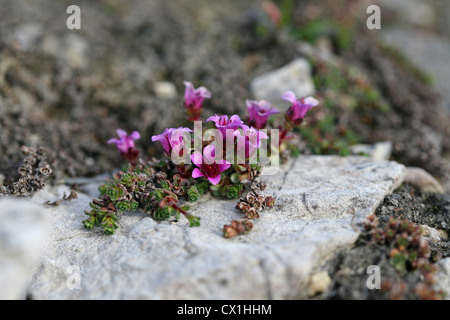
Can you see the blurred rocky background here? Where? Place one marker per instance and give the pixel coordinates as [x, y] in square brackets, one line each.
[68, 90]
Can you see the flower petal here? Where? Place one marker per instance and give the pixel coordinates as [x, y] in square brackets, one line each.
[215, 180]
[197, 158]
[236, 119]
[214, 118]
[224, 166]
[252, 108]
[197, 173]
[121, 133]
[158, 137]
[266, 105]
[209, 154]
[189, 93]
[289, 96]
[135, 135]
[203, 92]
[114, 140]
[312, 101]
[262, 135]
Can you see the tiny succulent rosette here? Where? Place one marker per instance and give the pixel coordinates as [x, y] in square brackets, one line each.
[193, 100]
[207, 166]
[297, 112]
[259, 113]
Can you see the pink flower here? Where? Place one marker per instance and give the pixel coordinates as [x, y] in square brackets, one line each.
[296, 113]
[223, 123]
[259, 112]
[250, 140]
[207, 165]
[125, 143]
[172, 139]
[193, 99]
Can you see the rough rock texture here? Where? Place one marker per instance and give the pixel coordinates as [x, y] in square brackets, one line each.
[317, 198]
[443, 276]
[431, 210]
[296, 76]
[22, 232]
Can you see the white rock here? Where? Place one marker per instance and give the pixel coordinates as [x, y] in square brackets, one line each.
[421, 179]
[295, 76]
[318, 283]
[433, 234]
[377, 151]
[22, 232]
[165, 90]
[316, 199]
[442, 276]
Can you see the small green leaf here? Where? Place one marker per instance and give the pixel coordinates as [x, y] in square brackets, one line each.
[123, 206]
[193, 221]
[161, 214]
[235, 177]
[193, 194]
[134, 205]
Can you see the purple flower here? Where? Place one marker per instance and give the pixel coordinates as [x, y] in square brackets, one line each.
[207, 165]
[259, 112]
[250, 140]
[223, 123]
[296, 113]
[172, 139]
[125, 143]
[193, 99]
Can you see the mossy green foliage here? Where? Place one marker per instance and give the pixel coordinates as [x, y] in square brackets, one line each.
[155, 189]
[340, 34]
[159, 190]
[408, 249]
[408, 252]
[344, 92]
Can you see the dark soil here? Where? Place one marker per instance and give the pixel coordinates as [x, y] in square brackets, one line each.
[348, 270]
[349, 275]
[428, 209]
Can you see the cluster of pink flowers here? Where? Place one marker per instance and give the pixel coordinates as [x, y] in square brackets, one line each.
[245, 137]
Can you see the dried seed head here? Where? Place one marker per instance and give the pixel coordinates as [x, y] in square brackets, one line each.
[243, 206]
[248, 225]
[257, 205]
[269, 201]
[238, 226]
[252, 214]
[45, 170]
[261, 199]
[229, 232]
[250, 198]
